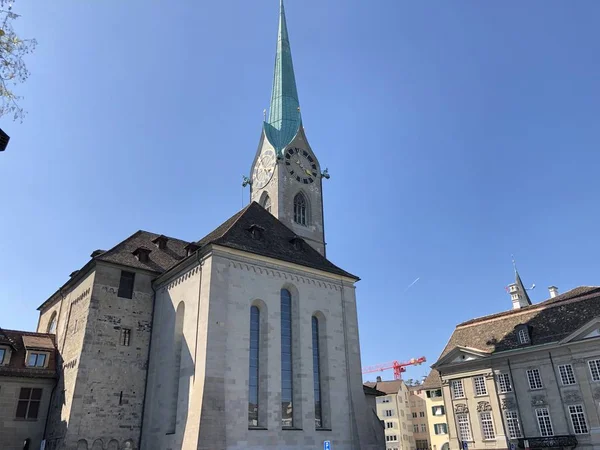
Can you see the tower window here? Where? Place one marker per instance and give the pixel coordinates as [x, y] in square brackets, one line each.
[266, 202]
[300, 216]
[126, 284]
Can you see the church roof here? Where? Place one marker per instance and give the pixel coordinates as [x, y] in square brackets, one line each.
[548, 321]
[275, 242]
[519, 283]
[284, 113]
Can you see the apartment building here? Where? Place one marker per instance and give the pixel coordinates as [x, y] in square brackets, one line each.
[420, 424]
[394, 410]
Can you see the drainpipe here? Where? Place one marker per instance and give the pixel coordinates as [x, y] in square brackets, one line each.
[200, 264]
[562, 400]
[352, 412]
[147, 367]
[516, 398]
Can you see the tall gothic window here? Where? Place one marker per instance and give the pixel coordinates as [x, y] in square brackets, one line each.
[287, 394]
[317, 373]
[253, 404]
[300, 209]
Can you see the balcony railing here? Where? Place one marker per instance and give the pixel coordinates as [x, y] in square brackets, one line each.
[549, 441]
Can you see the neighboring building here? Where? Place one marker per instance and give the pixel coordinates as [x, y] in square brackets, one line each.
[27, 379]
[394, 410]
[245, 339]
[378, 425]
[436, 412]
[529, 376]
[420, 424]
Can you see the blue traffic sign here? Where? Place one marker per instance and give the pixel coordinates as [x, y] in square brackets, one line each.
[465, 446]
[326, 445]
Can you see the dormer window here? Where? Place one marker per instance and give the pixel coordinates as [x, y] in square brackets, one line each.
[161, 242]
[2, 355]
[297, 242]
[523, 335]
[142, 254]
[96, 253]
[191, 248]
[37, 359]
[256, 231]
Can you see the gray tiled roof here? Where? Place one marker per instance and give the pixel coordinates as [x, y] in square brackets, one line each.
[388, 387]
[159, 260]
[549, 321]
[432, 381]
[232, 233]
[275, 243]
[20, 341]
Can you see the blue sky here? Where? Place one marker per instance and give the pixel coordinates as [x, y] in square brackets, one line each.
[456, 134]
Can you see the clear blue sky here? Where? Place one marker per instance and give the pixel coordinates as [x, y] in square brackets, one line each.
[456, 134]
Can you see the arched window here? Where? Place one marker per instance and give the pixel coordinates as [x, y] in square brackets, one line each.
[287, 391]
[317, 373]
[266, 202]
[52, 323]
[176, 368]
[300, 209]
[253, 403]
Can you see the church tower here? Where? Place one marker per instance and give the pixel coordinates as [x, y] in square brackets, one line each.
[286, 177]
[518, 293]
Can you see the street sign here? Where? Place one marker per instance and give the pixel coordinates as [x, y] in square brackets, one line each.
[513, 446]
[465, 446]
[326, 445]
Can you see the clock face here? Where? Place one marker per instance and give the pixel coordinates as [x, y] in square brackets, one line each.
[264, 169]
[301, 165]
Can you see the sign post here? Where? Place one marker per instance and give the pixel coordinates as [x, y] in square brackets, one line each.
[326, 445]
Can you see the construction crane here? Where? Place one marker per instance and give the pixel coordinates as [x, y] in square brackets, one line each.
[398, 367]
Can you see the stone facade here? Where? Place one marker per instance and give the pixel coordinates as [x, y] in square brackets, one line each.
[212, 407]
[100, 393]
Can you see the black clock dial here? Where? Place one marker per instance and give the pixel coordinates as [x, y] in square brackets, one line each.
[301, 165]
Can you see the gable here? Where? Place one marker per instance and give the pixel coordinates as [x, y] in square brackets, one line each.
[460, 355]
[588, 331]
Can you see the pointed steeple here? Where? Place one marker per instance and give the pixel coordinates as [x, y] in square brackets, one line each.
[518, 293]
[284, 113]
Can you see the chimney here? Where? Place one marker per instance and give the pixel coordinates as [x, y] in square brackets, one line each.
[553, 291]
[379, 379]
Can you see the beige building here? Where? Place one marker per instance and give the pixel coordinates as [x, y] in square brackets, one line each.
[437, 422]
[27, 380]
[528, 377]
[420, 424]
[395, 412]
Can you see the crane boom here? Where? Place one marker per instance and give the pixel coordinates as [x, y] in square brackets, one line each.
[398, 367]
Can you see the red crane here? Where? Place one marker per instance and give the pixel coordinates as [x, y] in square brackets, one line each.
[398, 367]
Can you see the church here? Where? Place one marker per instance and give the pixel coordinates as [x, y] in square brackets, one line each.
[244, 339]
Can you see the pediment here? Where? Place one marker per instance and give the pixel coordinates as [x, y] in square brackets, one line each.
[590, 330]
[460, 355]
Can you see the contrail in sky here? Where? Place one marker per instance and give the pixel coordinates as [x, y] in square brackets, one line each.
[412, 284]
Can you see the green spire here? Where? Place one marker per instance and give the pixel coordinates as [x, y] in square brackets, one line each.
[284, 113]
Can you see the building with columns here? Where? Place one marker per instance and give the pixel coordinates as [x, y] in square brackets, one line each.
[528, 377]
[244, 339]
